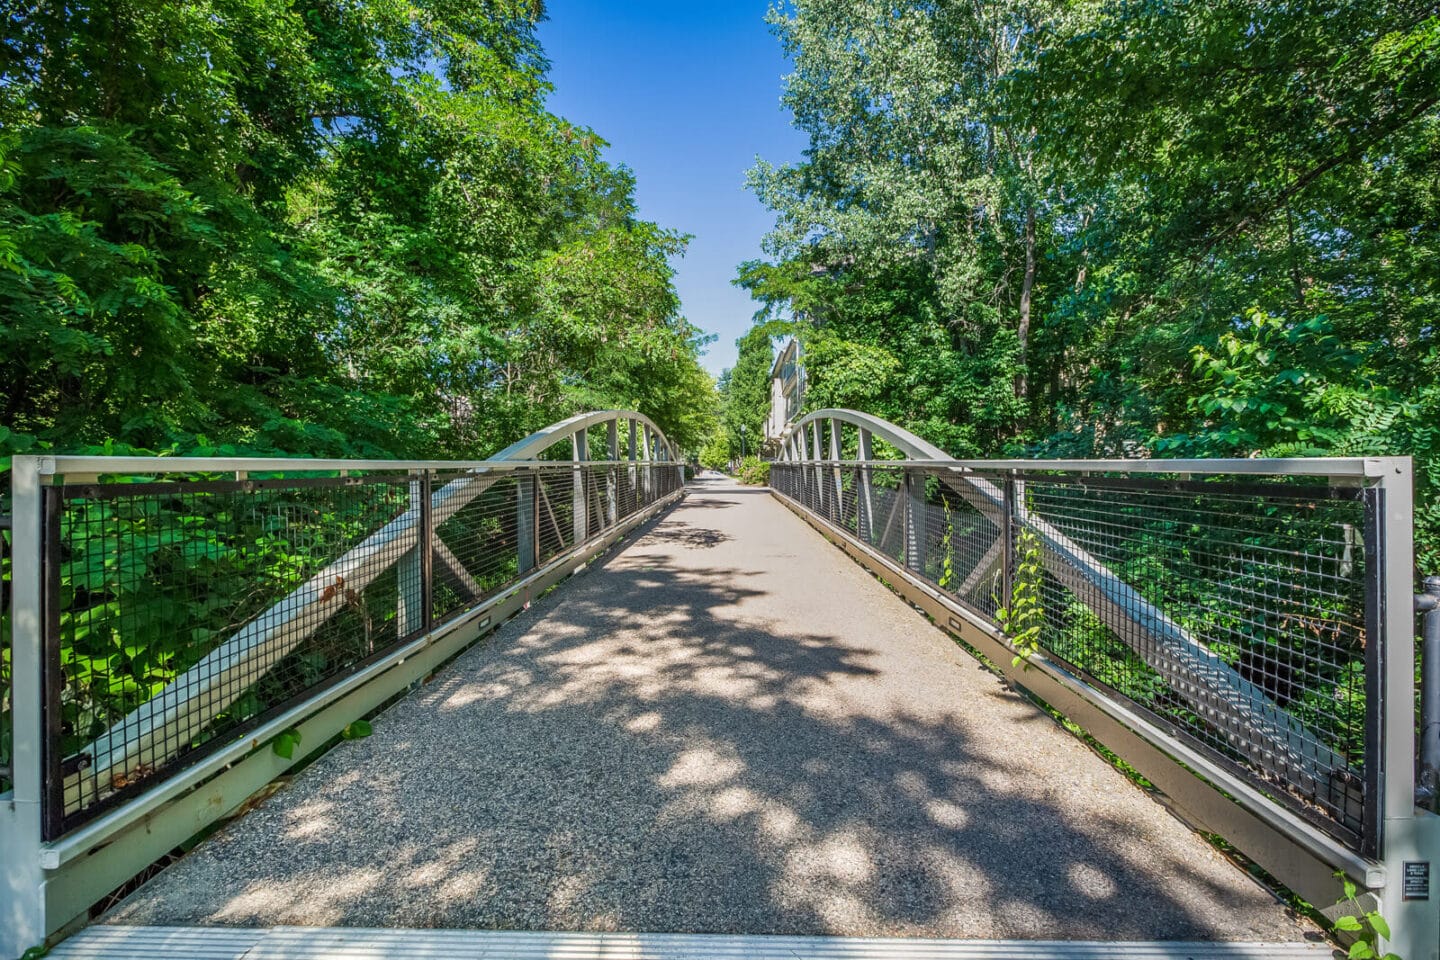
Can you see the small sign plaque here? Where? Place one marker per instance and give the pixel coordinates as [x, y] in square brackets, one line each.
[1416, 880]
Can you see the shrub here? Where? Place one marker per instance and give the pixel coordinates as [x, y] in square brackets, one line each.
[754, 471]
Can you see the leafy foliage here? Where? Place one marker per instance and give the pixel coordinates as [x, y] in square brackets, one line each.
[316, 229]
[715, 455]
[1117, 229]
[1023, 616]
[357, 730]
[1367, 926]
[744, 395]
[754, 471]
[285, 743]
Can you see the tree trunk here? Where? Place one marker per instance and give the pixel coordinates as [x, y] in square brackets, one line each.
[1025, 292]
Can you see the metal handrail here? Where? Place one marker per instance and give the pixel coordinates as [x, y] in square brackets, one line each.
[835, 483]
[1214, 689]
[166, 719]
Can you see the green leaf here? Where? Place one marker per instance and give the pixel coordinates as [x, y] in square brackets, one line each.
[1360, 950]
[1348, 923]
[1378, 924]
[357, 730]
[284, 745]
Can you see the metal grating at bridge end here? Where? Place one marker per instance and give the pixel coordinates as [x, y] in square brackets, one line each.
[354, 943]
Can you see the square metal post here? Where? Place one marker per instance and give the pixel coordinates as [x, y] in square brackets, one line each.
[612, 483]
[22, 887]
[580, 499]
[808, 471]
[51, 752]
[801, 478]
[819, 505]
[644, 466]
[837, 512]
[1376, 692]
[1409, 836]
[807, 486]
[410, 572]
[1008, 531]
[527, 533]
[427, 554]
[632, 453]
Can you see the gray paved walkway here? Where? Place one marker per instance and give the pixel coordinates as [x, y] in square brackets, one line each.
[727, 727]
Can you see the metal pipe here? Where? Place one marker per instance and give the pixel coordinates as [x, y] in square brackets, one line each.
[1427, 783]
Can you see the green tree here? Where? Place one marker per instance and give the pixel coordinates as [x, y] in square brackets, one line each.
[745, 391]
[316, 228]
[1104, 228]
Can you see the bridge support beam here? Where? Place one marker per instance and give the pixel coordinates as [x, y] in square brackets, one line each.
[632, 454]
[647, 462]
[527, 532]
[819, 473]
[1411, 834]
[612, 482]
[865, 500]
[413, 570]
[580, 501]
[23, 920]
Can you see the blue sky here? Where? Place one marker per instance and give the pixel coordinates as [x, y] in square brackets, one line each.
[687, 94]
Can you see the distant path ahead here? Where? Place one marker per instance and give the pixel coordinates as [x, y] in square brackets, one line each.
[728, 727]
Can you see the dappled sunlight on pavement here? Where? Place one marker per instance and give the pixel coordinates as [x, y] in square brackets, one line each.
[725, 726]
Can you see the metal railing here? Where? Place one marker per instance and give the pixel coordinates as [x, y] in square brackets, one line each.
[174, 616]
[1233, 612]
[1252, 618]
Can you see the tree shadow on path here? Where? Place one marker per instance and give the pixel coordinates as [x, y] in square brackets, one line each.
[658, 747]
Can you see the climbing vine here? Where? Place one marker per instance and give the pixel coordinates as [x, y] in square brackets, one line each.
[1024, 616]
[947, 550]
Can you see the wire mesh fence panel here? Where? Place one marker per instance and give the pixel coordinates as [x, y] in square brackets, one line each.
[182, 614]
[598, 508]
[1232, 612]
[1269, 582]
[964, 549]
[629, 482]
[848, 500]
[888, 488]
[555, 513]
[478, 550]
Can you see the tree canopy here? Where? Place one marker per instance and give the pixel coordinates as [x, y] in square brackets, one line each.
[316, 227]
[1101, 228]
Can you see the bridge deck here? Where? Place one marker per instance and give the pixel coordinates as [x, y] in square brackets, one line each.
[727, 727]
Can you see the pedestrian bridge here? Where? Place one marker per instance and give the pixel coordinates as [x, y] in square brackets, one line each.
[893, 705]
